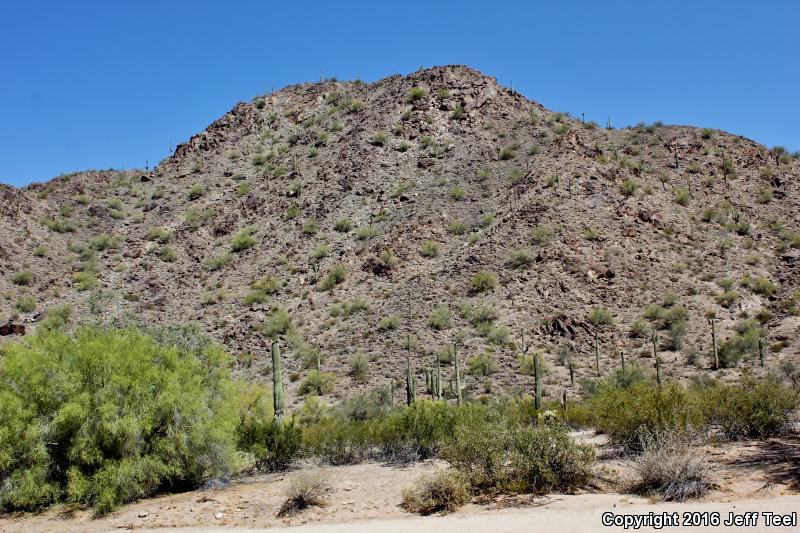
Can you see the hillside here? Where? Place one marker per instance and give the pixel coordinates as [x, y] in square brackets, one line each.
[354, 179]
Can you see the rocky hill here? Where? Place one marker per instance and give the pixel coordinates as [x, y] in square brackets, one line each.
[437, 207]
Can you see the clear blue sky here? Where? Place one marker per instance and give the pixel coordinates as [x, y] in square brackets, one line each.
[99, 84]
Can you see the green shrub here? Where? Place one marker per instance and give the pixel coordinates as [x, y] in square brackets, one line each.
[311, 227]
[483, 281]
[628, 411]
[279, 323]
[415, 94]
[429, 249]
[274, 445]
[336, 276]
[167, 254]
[753, 408]
[243, 240]
[600, 316]
[108, 416]
[483, 364]
[367, 232]
[84, 280]
[457, 228]
[25, 303]
[159, 235]
[196, 191]
[742, 343]
[40, 251]
[521, 257]
[495, 453]
[343, 225]
[318, 383]
[440, 318]
[218, 262]
[24, 277]
[542, 235]
[359, 368]
[388, 323]
[628, 187]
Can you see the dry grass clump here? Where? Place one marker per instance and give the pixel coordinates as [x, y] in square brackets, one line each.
[442, 492]
[308, 489]
[668, 469]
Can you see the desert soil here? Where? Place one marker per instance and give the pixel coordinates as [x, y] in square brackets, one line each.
[750, 476]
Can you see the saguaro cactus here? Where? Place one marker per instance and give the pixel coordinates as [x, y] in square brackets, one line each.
[458, 374]
[655, 340]
[277, 384]
[596, 353]
[571, 375]
[411, 386]
[761, 356]
[713, 322]
[622, 357]
[537, 402]
[658, 372]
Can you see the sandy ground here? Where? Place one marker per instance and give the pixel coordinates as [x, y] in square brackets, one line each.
[750, 476]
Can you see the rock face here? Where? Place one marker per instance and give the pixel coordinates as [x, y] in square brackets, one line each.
[456, 176]
[11, 328]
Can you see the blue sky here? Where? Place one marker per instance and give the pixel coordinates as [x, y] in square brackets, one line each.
[99, 84]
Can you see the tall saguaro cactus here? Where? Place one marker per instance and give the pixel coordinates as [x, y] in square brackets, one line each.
[761, 356]
[655, 340]
[411, 388]
[278, 399]
[658, 372]
[438, 378]
[537, 401]
[596, 352]
[571, 375]
[713, 322]
[458, 374]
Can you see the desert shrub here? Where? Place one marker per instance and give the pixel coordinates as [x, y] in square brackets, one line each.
[668, 469]
[415, 94]
[493, 452]
[367, 232]
[25, 303]
[158, 234]
[218, 262]
[483, 364]
[521, 257]
[359, 368]
[441, 492]
[319, 383]
[343, 225]
[600, 316]
[638, 329]
[307, 489]
[626, 413]
[628, 187]
[338, 441]
[682, 196]
[378, 138]
[56, 317]
[440, 318]
[542, 235]
[40, 251]
[167, 254]
[483, 281]
[726, 298]
[102, 242]
[243, 240]
[278, 323]
[429, 249]
[197, 217]
[508, 153]
[457, 228]
[336, 276]
[24, 277]
[752, 408]
[388, 323]
[196, 191]
[415, 432]
[274, 445]
[84, 280]
[743, 342]
[386, 260]
[311, 227]
[108, 416]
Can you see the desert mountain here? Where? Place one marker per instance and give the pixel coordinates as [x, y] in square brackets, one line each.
[438, 207]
